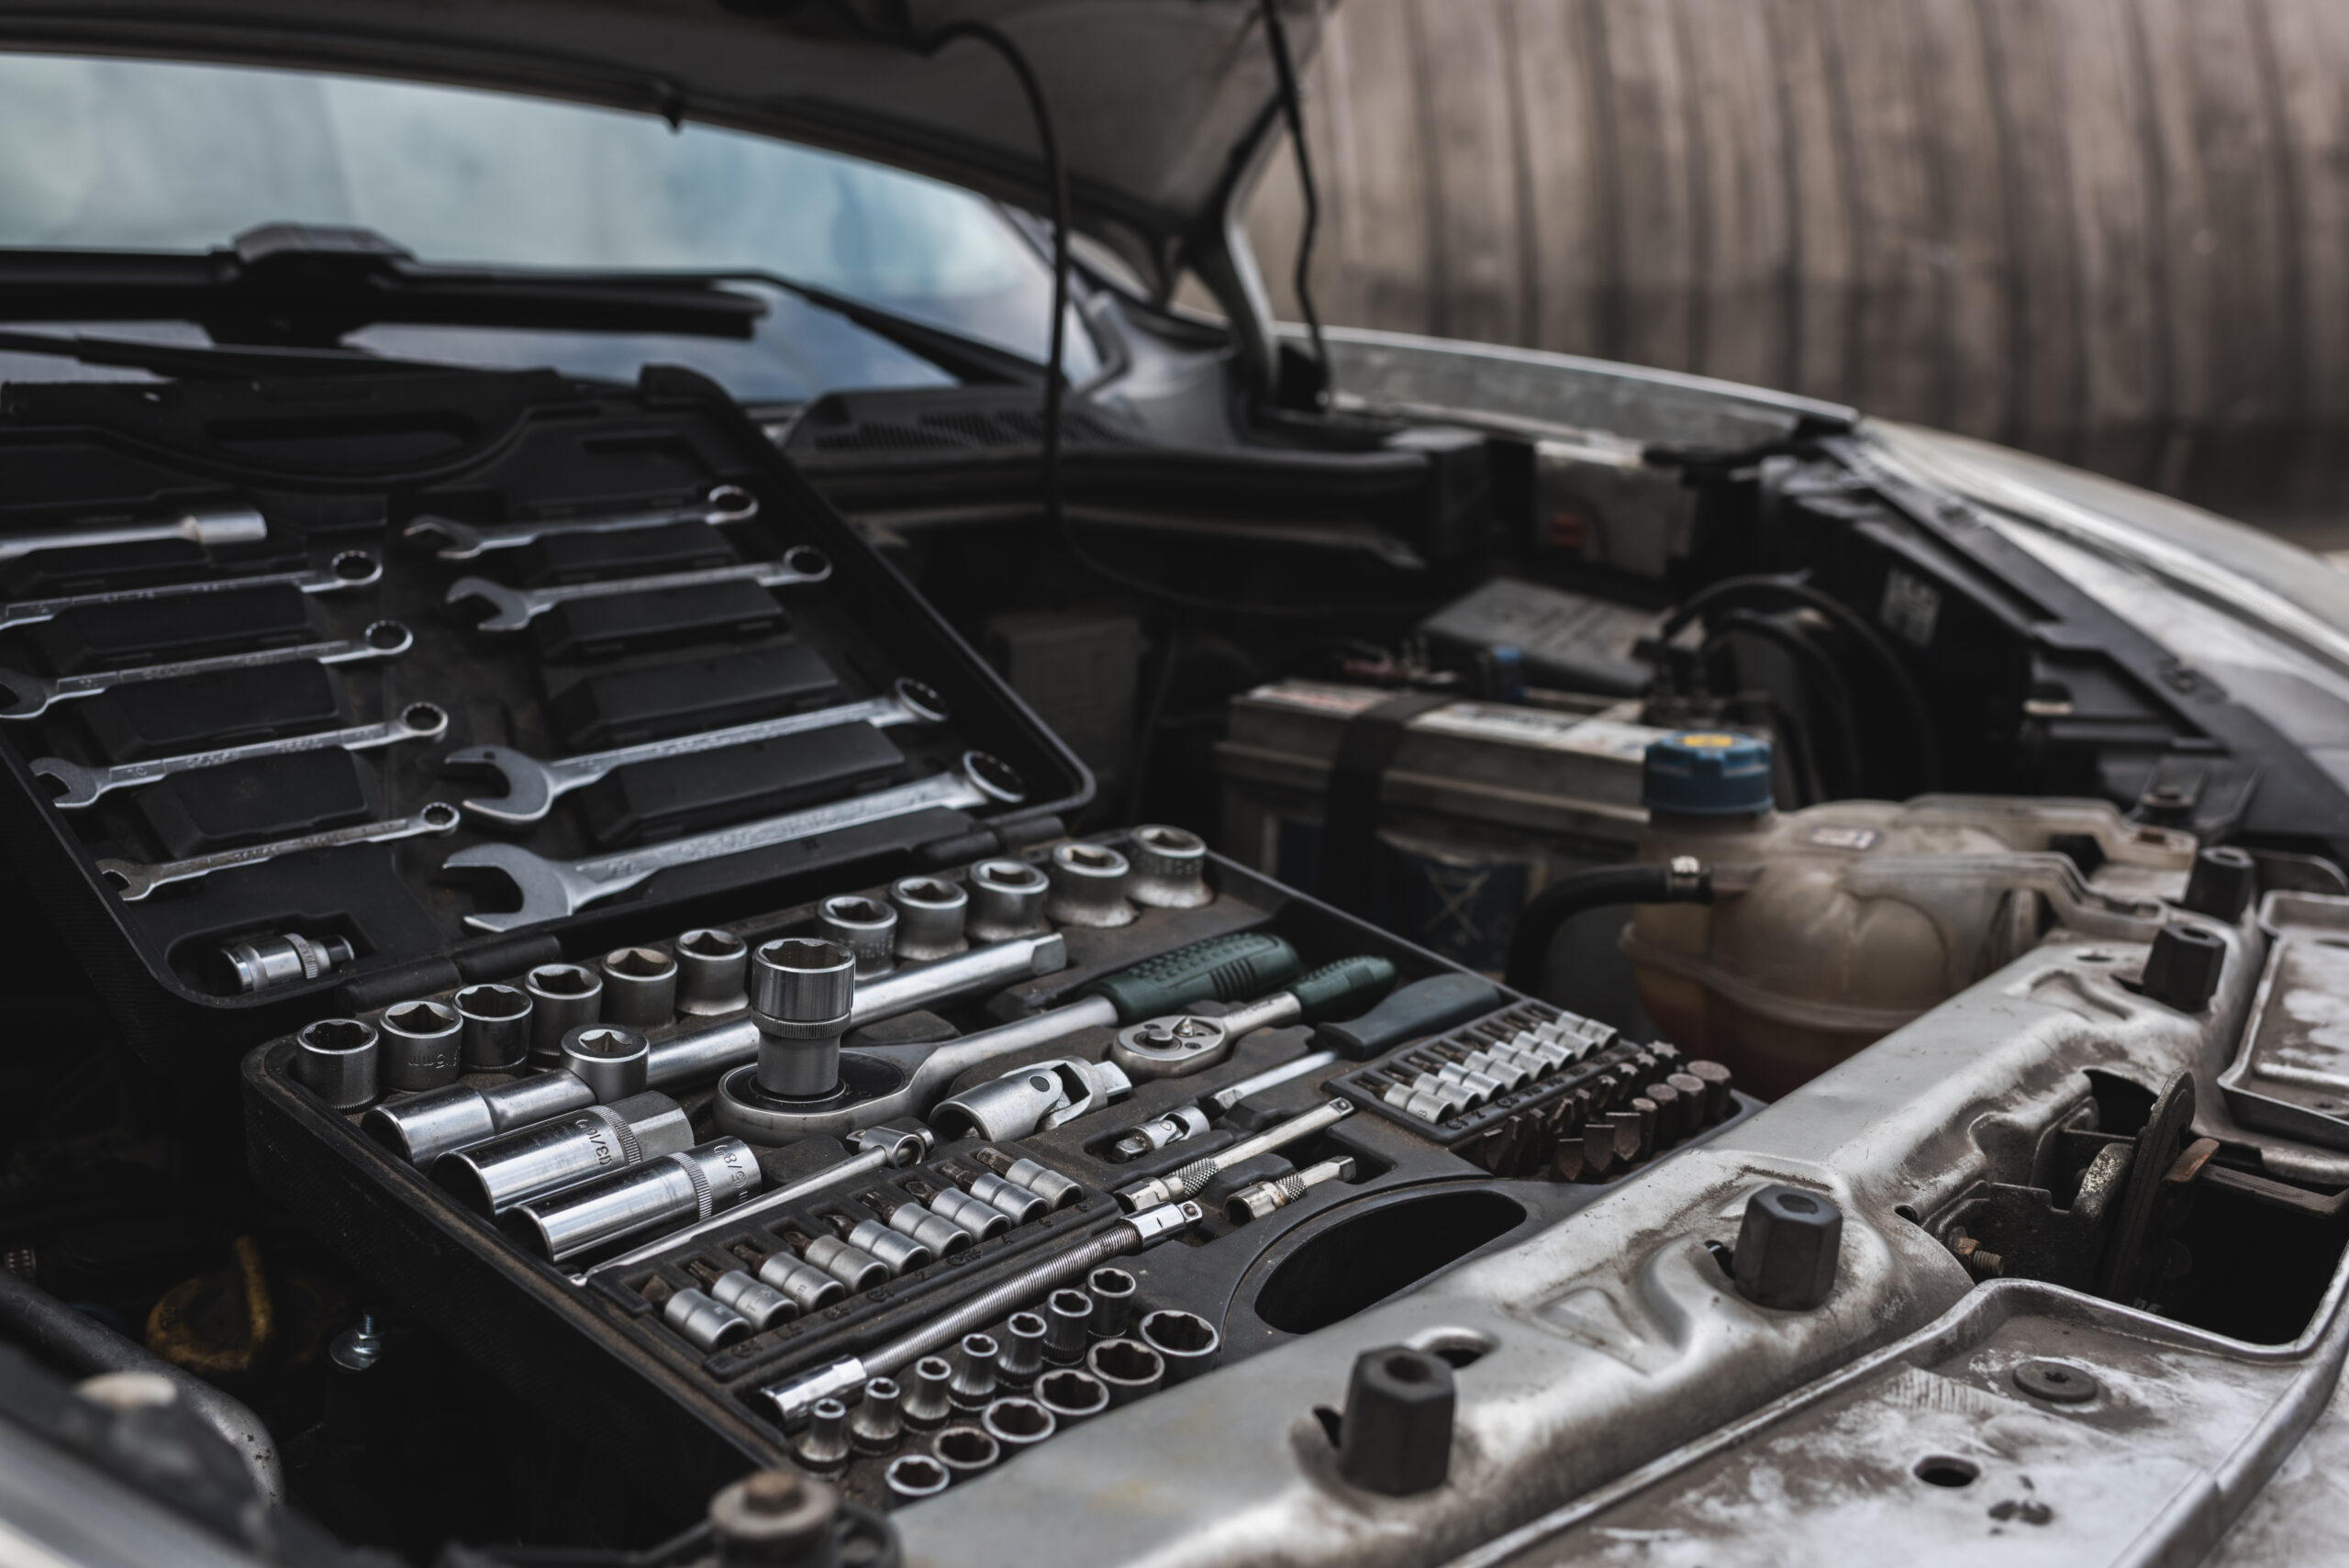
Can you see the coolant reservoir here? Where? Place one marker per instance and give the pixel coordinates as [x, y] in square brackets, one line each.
[1834, 925]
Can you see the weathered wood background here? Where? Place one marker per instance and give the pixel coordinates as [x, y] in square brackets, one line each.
[2113, 232]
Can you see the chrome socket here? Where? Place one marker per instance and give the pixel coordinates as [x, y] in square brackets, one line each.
[702, 1322]
[1071, 1395]
[1023, 1351]
[913, 1476]
[1129, 1369]
[711, 968]
[866, 926]
[930, 913]
[929, 1404]
[263, 963]
[659, 1193]
[808, 1289]
[419, 1045]
[960, 1208]
[965, 1450]
[1020, 1203]
[801, 992]
[335, 1059]
[1016, 1423]
[878, 1426]
[854, 1267]
[824, 1448]
[1088, 887]
[756, 1300]
[974, 1387]
[533, 1161]
[1185, 1341]
[1068, 1316]
[902, 1254]
[610, 1059]
[1007, 901]
[496, 1033]
[1055, 1189]
[639, 986]
[562, 997]
[924, 1227]
[1113, 1290]
[1170, 868]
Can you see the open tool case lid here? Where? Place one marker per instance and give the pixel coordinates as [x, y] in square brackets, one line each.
[339, 468]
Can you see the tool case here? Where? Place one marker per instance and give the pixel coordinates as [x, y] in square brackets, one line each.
[587, 1339]
[322, 650]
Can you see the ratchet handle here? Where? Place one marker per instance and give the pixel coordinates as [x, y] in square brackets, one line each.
[1228, 968]
[1336, 989]
[1422, 1007]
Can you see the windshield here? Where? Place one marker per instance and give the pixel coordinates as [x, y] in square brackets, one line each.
[107, 154]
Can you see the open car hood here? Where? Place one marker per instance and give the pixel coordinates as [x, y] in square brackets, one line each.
[1161, 105]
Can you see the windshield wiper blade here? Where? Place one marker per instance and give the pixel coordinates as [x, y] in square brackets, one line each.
[966, 359]
[306, 286]
[199, 362]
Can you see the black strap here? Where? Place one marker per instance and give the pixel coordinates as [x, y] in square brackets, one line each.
[1349, 809]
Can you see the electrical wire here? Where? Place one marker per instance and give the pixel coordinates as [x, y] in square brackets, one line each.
[1293, 109]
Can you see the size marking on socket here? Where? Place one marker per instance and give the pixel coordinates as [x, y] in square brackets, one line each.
[511, 609]
[465, 542]
[80, 786]
[133, 881]
[551, 890]
[29, 696]
[351, 569]
[532, 786]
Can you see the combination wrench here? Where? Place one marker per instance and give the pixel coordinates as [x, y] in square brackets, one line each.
[554, 890]
[350, 569]
[470, 542]
[81, 786]
[133, 881]
[29, 696]
[512, 609]
[205, 526]
[533, 787]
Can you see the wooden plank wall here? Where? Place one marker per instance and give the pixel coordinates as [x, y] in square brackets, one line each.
[2113, 232]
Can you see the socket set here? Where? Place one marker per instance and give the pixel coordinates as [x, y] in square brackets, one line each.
[449, 674]
[899, 1182]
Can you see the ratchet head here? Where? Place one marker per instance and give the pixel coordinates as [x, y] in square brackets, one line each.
[547, 891]
[1171, 1046]
[509, 608]
[459, 541]
[23, 695]
[529, 788]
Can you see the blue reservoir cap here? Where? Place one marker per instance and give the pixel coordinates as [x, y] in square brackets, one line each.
[1706, 772]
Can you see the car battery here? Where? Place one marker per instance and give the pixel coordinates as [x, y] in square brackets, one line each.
[1433, 815]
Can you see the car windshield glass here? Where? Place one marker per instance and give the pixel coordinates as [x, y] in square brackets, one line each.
[126, 154]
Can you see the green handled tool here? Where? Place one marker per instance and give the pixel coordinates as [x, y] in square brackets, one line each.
[1174, 1044]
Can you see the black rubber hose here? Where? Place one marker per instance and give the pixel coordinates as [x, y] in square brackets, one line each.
[1912, 696]
[86, 1347]
[1604, 887]
[1813, 661]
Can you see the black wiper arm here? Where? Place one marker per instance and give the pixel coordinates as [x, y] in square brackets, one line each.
[303, 287]
[199, 362]
[966, 358]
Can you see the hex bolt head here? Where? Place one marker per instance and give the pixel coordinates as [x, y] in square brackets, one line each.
[1787, 1248]
[2221, 884]
[2182, 970]
[1396, 1435]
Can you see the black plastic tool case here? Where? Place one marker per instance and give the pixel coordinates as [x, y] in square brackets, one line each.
[342, 464]
[598, 1357]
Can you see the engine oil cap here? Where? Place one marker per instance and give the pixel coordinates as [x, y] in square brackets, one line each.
[1706, 772]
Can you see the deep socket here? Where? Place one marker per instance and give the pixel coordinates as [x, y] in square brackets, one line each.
[335, 1060]
[639, 986]
[496, 1035]
[419, 1045]
[532, 1161]
[562, 997]
[711, 966]
[658, 1194]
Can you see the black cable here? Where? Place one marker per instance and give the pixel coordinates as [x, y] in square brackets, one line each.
[1293, 107]
[1601, 888]
[1912, 696]
[1815, 664]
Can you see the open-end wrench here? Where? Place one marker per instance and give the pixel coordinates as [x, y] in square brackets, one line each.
[134, 882]
[511, 609]
[204, 524]
[533, 787]
[29, 696]
[552, 890]
[81, 786]
[350, 569]
[469, 541]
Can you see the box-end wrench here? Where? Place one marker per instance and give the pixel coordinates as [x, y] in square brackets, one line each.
[552, 890]
[80, 786]
[533, 787]
[134, 882]
[208, 526]
[29, 696]
[511, 609]
[350, 569]
[468, 541]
